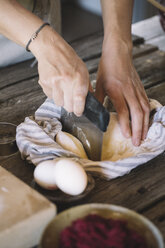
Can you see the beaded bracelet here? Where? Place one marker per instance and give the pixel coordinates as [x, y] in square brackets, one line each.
[34, 36]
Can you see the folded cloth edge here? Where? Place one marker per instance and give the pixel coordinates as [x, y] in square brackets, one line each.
[35, 140]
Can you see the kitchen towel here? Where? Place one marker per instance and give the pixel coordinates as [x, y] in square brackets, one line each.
[36, 141]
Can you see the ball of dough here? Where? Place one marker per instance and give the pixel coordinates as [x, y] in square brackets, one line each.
[71, 143]
[115, 145]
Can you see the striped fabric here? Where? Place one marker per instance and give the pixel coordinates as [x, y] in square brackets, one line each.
[36, 141]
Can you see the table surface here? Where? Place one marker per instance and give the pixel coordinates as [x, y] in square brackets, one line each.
[142, 190]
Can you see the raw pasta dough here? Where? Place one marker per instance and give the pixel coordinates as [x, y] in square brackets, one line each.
[115, 145]
[71, 143]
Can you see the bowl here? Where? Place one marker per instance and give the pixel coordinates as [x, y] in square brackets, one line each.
[135, 221]
[7, 139]
[58, 196]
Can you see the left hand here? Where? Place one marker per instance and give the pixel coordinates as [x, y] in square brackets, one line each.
[118, 79]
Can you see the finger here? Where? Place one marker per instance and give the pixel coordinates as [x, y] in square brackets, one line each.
[47, 90]
[136, 116]
[145, 121]
[79, 104]
[123, 114]
[58, 96]
[137, 125]
[79, 96]
[144, 102]
[68, 100]
[118, 100]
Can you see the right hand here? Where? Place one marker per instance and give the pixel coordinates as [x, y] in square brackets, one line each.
[118, 79]
[62, 74]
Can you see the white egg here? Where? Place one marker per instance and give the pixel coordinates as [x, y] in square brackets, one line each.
[44, 176]
[70, 177]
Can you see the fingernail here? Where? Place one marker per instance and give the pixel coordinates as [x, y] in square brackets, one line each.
[78, 114]
[136, 143]
[78, 111]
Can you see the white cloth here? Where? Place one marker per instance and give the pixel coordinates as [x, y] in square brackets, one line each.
[35, 140]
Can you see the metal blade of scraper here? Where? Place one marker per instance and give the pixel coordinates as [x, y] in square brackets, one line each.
[96, 112]
[89, 127]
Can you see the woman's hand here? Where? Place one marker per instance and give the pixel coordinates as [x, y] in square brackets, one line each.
[62, 74]
[118, 79]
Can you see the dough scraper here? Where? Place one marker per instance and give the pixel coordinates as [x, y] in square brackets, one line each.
[89, 127]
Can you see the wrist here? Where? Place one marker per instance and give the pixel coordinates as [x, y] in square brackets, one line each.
[115, 41]
[35, 34]
[47, 37]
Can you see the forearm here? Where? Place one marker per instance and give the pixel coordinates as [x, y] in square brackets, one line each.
[117, 76]
[17, 23]
[117, 18]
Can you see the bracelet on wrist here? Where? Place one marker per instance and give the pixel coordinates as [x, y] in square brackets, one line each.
[35, 34]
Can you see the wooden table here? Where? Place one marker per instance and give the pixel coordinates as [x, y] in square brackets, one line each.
[143, 190]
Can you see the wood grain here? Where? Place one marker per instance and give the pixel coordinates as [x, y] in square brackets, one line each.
[157, 215]
[90, 46]
[17, 73]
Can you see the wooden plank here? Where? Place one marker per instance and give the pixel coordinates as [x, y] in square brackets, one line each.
[21, 88]
[16, 109]
[151, 67]
[138, 51]
[157, 215]
[137, 190]
[143, 49]
[89, 46]
[18, 72]
[157, 92]
[92, 65]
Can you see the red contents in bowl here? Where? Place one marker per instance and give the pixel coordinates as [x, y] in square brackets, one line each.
[95, 231]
